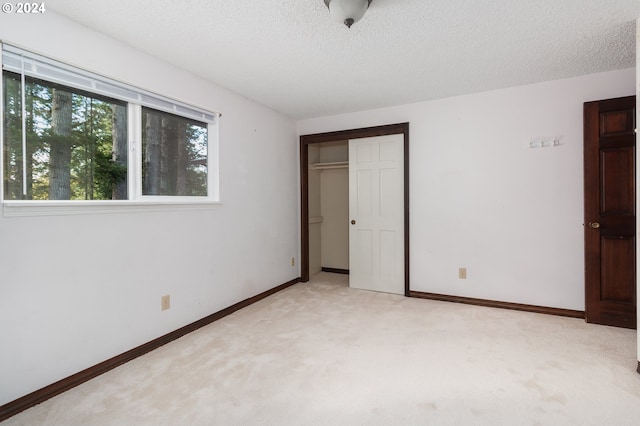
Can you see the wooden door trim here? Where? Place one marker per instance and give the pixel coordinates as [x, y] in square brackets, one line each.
[341, 135]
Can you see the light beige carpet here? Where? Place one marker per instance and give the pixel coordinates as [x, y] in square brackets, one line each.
[324, 354]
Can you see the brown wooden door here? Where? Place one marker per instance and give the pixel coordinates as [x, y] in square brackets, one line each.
[610, 214]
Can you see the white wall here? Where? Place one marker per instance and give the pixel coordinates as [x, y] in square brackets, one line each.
[334, 184]
[328, 208]
[480, 198]
[76, 290]
[315, 213]
[332, 152]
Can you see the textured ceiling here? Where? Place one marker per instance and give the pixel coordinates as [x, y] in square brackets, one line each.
[290, 55]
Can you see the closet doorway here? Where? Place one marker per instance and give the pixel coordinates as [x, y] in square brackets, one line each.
[325, 157]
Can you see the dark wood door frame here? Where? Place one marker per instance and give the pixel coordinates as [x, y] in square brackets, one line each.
[368, 132]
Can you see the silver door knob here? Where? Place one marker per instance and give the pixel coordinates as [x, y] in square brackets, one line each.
[594, 225]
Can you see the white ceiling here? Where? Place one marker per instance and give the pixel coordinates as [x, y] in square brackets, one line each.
[290, 56]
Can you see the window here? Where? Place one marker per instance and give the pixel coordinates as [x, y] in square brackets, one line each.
[174, 152]
[69, 135]
[74, 146]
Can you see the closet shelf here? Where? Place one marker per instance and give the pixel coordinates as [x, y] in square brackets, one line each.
[333, 165]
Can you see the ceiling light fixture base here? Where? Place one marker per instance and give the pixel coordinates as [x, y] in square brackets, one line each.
[347, 12]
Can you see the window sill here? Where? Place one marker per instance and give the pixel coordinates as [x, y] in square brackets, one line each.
[64, 208]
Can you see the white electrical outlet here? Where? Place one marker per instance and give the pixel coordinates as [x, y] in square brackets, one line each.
[462, 273]
[165, 302]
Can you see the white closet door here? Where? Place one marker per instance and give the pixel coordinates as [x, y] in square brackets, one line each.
[376, 210]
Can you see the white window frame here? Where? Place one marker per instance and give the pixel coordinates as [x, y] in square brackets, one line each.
[56, 72]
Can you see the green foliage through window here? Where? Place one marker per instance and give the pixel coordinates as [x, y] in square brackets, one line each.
[74, 145]
[174, 155]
